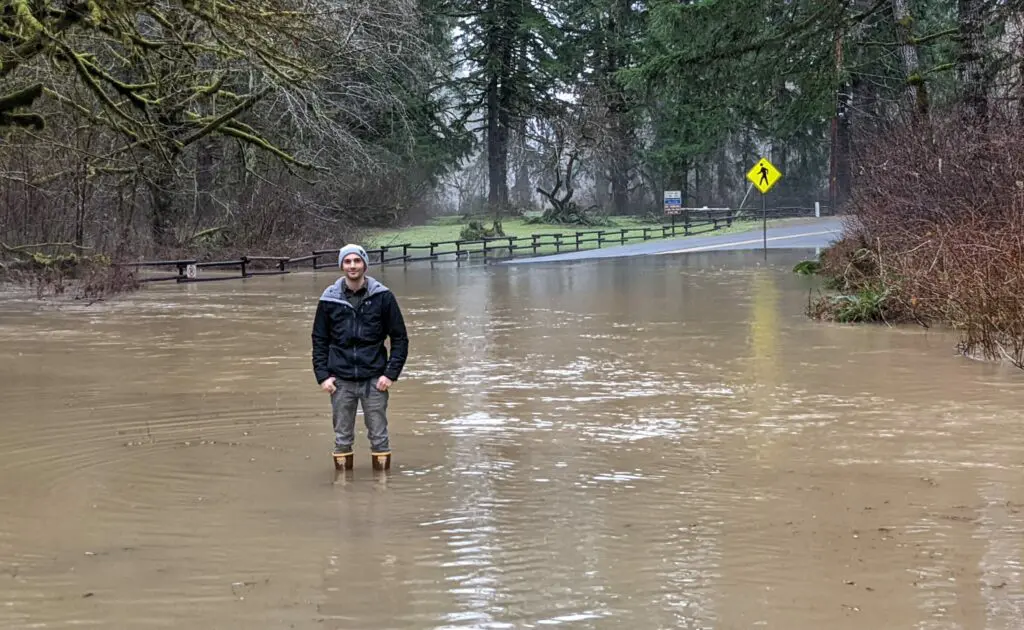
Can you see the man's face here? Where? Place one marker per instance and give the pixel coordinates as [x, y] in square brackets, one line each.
[353, 267]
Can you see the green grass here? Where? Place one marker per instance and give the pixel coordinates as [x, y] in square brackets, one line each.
[866, 305]
[448, 229]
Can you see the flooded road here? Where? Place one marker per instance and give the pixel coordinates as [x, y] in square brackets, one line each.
[660, 442]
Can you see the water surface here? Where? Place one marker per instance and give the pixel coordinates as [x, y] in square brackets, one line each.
[660, 442]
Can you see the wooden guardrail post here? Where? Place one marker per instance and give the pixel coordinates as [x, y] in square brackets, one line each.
[490, 249]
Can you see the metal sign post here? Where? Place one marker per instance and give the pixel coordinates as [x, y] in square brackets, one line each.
[763, 176]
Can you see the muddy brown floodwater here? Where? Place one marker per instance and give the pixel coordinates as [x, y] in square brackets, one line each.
[660, 442]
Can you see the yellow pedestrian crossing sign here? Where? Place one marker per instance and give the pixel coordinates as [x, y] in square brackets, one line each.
[764, 175]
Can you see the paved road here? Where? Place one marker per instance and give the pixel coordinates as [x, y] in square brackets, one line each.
[807, 235]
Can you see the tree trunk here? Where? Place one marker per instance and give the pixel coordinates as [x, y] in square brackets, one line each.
[697, 188]
[620, 185]
[620, 152]
[560, 205]
[778, 158]
[746, 157]
[82, 186]
[601, 185]
[971, 66]
[166, 213]
[722, 177]
[840, 180]
[684, 182]
[522, 191]
[1016, 19]
[916, 91]
[496, 147]
[843, 146]
[500, 43]
[206, 161]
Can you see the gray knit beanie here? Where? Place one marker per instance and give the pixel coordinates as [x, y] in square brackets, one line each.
[353, 249]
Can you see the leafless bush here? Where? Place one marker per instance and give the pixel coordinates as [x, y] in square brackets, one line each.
[941, 210]
[62, 270]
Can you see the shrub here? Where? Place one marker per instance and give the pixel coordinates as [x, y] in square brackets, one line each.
[937, 234]
[73, 275]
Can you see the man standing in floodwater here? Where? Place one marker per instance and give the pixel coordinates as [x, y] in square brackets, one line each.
[350, 361]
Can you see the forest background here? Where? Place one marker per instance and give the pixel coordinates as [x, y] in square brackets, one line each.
[140, 128]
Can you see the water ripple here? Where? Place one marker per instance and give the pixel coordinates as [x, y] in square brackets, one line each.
[585, 446]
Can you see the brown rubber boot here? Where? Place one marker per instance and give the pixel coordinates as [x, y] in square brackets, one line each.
[381, 461]
[343, 461]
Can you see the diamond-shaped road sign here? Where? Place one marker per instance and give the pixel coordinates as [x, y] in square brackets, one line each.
[764, 175]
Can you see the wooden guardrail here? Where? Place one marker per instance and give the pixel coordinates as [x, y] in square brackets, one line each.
[490, 249]
[498, 248]
[187, 270]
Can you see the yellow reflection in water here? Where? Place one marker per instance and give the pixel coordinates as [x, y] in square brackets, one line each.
[764, 349]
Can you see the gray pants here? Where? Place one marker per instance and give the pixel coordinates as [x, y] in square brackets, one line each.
[375, 414]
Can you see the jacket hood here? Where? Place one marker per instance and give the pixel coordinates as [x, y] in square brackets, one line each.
[335, 292]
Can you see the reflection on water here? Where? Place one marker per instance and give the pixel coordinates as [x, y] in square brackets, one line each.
[662, 442]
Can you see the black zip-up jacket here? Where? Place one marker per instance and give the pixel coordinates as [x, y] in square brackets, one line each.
[348, 343]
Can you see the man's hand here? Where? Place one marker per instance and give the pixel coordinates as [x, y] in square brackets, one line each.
[328, 385]
[383, 383]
